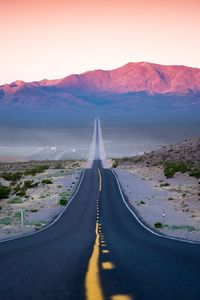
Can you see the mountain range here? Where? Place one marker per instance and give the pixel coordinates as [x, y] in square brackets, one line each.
[132, 85]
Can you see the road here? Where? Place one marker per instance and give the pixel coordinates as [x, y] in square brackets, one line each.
[97, 250]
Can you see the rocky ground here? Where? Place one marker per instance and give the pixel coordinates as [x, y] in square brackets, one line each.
[188, 151]
[36, 193]
[164, 181]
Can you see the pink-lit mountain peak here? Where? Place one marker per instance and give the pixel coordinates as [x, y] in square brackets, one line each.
[135, 77]
[132, 77]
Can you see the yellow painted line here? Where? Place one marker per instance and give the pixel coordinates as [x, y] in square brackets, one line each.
[92, 280]
[107, 265]
[105, 251]
[103, 245]
[100, 181]
[121, 297]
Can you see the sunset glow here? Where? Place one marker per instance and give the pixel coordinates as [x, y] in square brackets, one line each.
[54, 38]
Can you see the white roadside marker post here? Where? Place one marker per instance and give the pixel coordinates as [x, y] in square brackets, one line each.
[163, 215]
[22, 218]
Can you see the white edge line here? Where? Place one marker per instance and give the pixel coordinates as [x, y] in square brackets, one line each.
[51, 223]
[143, 225]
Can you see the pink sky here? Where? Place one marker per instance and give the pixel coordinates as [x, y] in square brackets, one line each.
[54, 38]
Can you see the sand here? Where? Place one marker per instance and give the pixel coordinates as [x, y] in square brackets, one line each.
[152, 194]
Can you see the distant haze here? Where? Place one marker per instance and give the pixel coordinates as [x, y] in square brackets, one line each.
[142, 106]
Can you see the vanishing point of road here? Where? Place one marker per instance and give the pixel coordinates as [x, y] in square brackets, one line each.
[98, 250]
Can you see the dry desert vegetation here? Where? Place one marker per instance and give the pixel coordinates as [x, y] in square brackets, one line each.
[33, 193]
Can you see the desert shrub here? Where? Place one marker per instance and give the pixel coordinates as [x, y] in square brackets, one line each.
[142, 202]
[5, 221]
[188, 228]
[171, 167]
[164, 184]
[12, 176]
[17, 214]
[28, 184]
[63, 194]
[16, 200]
[195, 172]
[63, 201]
[34, 210]
[47, 181]
[4, 191]
[36, 170]
[158, 225]
[21, 192]
[38, 225]
[115, 164]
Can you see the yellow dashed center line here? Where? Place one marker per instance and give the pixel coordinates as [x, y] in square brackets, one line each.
[100, 180]
[105, 251]
[121, 297]
[107, 265]
[92, 281]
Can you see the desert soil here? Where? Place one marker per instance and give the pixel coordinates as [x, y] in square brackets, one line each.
[152, 194]
[41, 204]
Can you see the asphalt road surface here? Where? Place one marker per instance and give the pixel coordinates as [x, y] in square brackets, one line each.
[98, 250]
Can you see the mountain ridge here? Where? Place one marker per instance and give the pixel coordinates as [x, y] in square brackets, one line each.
[135, 87]
[145, 77]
